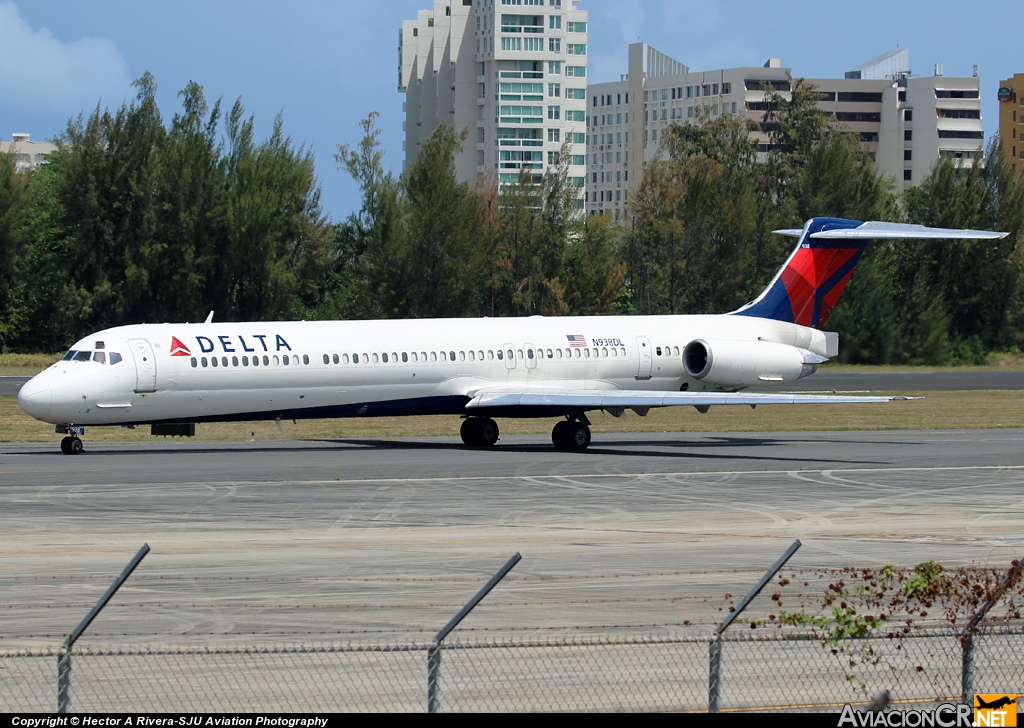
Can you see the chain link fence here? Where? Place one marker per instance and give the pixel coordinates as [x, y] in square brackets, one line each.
[760, 671]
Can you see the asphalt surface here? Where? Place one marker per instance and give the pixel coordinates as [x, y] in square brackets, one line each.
[348, 539]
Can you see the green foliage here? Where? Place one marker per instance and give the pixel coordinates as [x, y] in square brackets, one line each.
[131, 221]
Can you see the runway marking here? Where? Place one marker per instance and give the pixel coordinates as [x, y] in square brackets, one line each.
[581, 539]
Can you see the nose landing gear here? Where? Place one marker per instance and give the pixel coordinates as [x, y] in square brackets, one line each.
[71, 446]
[479, 431]
[571, 435]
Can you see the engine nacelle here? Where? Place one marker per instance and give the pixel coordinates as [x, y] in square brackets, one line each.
[736, 364]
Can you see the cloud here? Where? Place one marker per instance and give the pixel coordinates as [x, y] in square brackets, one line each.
[39, 73]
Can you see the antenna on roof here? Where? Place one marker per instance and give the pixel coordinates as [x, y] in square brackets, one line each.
[209, 319]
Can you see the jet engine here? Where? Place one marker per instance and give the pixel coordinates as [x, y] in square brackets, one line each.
[737, 364]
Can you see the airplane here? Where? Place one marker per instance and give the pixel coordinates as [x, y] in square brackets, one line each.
[173, 376]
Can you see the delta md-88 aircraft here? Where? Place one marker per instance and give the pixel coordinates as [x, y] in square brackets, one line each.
[172, 376]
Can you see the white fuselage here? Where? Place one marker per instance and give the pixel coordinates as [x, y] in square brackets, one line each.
[370, 368]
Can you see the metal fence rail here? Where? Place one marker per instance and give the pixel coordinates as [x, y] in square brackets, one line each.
[760, 671]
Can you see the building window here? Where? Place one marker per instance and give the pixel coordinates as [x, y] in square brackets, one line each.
[555, 68]
[576, 49]
[908, 115]
[906, 175]
[576, 71]
[555, 22]
[908, 154]
[511, 44]
[533, 44]
[552, 157]
[554, 90]
[577, 27]
[554, 112]
[908, 135]
[554, 45]
[554, 135]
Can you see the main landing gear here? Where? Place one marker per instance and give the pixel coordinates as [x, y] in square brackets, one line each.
[71, 446]
[479, 431]
[571, 435]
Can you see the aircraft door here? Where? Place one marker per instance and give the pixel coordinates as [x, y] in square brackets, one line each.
[145, 365]
[510, 356]
[531, 356]
[646, 361]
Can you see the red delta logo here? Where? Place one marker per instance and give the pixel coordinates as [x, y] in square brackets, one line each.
[179, 349]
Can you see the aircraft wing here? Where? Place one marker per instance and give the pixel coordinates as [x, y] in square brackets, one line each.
[896, 231]
[612, 399]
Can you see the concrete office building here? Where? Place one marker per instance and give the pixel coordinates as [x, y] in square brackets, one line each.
[1011, 119]
[512, 72]
[905, 122]
[27, 154]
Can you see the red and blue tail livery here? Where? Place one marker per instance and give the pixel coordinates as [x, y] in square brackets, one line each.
[808, 286]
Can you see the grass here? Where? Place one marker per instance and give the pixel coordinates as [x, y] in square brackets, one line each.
[939, 411]
[28, 365]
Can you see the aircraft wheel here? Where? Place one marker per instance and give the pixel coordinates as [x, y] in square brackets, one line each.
[487, 432]
[470, 431]
[560, 435]
[579, 436]
[75, 447]
[65, 446]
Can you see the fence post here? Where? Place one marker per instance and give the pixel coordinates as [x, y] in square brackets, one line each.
[64, 658]
[967, 675]
[967, 638]
[434, 678]
[434, 651]
[715, 656]
[715, 677]
[64, 681]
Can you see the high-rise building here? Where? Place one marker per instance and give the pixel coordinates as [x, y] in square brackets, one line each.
[513, 73]
[1011, 119]
[905, 122]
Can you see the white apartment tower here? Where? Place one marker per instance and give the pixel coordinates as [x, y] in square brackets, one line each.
[905, 122]
[511, 72]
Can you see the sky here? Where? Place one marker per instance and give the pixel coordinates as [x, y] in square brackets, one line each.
[325, 65]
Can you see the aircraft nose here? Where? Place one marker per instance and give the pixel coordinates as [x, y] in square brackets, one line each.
[35, 398]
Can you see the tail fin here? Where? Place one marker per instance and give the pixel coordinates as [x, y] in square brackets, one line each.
[808, 286]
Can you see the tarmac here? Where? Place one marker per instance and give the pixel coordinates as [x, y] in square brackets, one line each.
[387, 538]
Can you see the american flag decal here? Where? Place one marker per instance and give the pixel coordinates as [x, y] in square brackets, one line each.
[576, 340]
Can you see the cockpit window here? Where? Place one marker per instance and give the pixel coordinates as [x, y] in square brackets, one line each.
[99, 357]
[115, 358]
[83, 356]
[69, 356]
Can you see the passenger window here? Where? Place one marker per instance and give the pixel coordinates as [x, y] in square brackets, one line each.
[284, 359]
[355, 358]
[376, 358]
[550, 355]
[255, 361]
[604, 352]
[99, 357]
[394, 357]
[414, 357]
[595, 352]
[490, 354]
[480, 354]
[500, 355]
[245, 361]
[568, 353]
[623, 350]
[558, 352]
[586, 353]
[529, 353]
[305, 359]
[203, 362]
[462, 356]
[100, 345]
[423, 356]
[337, 359]
[327, 359]
[614, 353]
[433, 356]
[224, 361]
[213, 361]
[266, 360]
[405, 356]
[675, 350]
[658, 351]
[278, 361]
[83, 356]
[452, 355]
[69, 356]
[578, 354]
[519, 351]
[195, 362]
[234, 361]
[385, 358]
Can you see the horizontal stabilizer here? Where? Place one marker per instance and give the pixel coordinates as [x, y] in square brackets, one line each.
[619, 398]
[902, 231]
